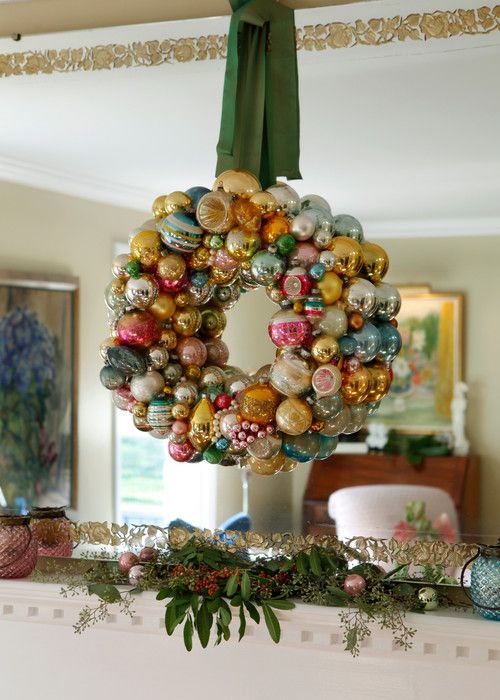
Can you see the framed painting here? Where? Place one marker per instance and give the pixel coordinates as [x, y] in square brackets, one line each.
[430, 362]
[38, 387]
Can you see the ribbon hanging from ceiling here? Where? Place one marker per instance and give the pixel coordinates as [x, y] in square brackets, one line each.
[260, 110]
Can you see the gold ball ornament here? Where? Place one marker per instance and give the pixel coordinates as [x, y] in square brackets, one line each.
[356, 385]
[180, 411]
[213, 322]
[348, 256]
[158, 207]
[246, 215]
[267, 467]
[171, 267]
[175, 201]
[164, 307]
[141, 423]
[242, 245]
[266, 202]
[186, 321]
[201, 424]
[239, 182]
[375, 262]
[119, 266]
[330, 287]
[294, 416]
[222, 277]
[182, 299]
[324, 348]
[380, 382]
[192, 372]
[168, 338]
[145, 247]
[140, 409]
[273, 227]
[199, 259]
[258, 403]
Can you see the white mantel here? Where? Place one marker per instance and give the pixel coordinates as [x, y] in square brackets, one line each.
[454, 656]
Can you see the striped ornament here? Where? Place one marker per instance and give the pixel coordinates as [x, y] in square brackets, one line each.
[180, 232]
[314, 307]
[159, 414]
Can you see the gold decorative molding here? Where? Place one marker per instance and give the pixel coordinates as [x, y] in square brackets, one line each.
[442, 24]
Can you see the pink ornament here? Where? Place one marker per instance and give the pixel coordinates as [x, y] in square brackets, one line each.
[174, 285]
[191, 351]
[351, 364]
[223, 261]
[135, 575]
[138, 328]
[217, 352]
[126, 561]
[286, 329]
[147, 554]
[182, 452]
[354, 584]
[326, 380]
[122, 397]
[295, 283]
[304, 254]
[179, 427]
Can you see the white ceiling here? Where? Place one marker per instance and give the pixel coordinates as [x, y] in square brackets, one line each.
[404, 136]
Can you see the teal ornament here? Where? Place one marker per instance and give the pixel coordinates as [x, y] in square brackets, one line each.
[314, 307]
[159, 414]
[213, 455]
[390, 342]
[267, 268]
[222, 444]
[347, 345]
[112, 378]
[285, 244]
[485, 582]
[181, 232]
[317, 271]
[199, 278]
[327, 446]
[347, 225]
[195, 194]
[328, 407]
[302, 448]
[127, 360]
[368, 342]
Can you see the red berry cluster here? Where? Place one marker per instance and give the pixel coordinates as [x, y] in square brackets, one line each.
[203, 580]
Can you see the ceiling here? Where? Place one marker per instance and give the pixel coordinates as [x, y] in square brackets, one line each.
[404, 136]
[44, 16]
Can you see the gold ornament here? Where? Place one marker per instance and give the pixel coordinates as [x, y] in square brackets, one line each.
[240, 182]
[158, 207]
[266, 202]
[275, 294]
[145, 247]
[182, 299]
[187, 321]
[141, 423]
[201, 424]
[168, 338]
[275, 226]
[180, 411]
[293, 416]
[267, 467]
[258, 403]
[171, 267]
[348, 256]
[242, 245]
[289, 465]
[175, 201]
[213, 322]
[199, 259]
[355, 386]
[380, 382]
[140, 409]
[192, 372]
[375, 262]
[222, 277]
[324, 348]
[246, 215]
[330, 287]
[163, 308]
[215, 212]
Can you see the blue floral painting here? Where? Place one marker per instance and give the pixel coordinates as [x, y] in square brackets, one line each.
[37, 439]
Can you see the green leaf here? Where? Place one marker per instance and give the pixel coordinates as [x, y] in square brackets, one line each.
[105, 591]
[302, 563]
[204, 620]
[253, 612]
[337, 596]
[188, 633]
[272, 623]
[366, 570]
[245, 586]
[280, 603]
[405, 590]
[351, 639]
[225, 616]
[243, 624]
[315, 561]
[195, 602]
[235, 601]
[171, 620]
[232, 585]
[214, 604]
[165, 593]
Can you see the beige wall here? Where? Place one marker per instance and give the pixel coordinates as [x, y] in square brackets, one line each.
[49, 233]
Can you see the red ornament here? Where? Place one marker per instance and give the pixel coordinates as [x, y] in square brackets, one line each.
[222, 401]
[182, 452]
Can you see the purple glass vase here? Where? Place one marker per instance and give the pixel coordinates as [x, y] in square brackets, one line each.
[52, 531]
[18, 548]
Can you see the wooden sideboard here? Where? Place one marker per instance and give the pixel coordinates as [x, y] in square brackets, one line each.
[458, 476]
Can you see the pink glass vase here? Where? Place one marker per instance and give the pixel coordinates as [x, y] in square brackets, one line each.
[18, 548]
[52, 531]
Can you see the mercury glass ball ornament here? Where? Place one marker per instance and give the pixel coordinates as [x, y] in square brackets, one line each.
[335, 426]
[217, 352]
[112, 378]
[158, 356]
[265, 201]
[293, 416]
[287, 198]
[127, 360]
[347, 345]
[241, 244]
[326, 257]
[173, 202]
[172, 374]
[360, 295]
[138, 328]
[322, 239]
[303, 225]
[211, 375]
[369, 342]
[324, 348]
[267, 467]
[357, 419]
[144, 386]
[114, 296]
[145, 247]
[347, 225]
[330, 287]
[163, 307]
[225, 262]
[191, 351]
[290, 374]
[227, 296]
[171, 267]
[388, 301]
[355, 385]
[302, 448]
[265, 447]
[286, 329]
[186, 392]
[195, 194]
[327, 446]
[213, 322]
[197, 296]
[327, 407]
[375, 262]
[183, 452]
[372, 407]
[246, 214]
[304, 254]
[391, 342]
[428, 597]
[141, 292]
[315, 200]
[333, 322]
[187, 321]
[238, 182]
[267, 268]
[258, 402]
[236, 382]
[354, 584]
[348, 256]
[214, 212]
[379, 384]
[119, 266]
[326, 380]
[126, 561]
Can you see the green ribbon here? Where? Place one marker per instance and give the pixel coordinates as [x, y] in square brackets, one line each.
[260, 110]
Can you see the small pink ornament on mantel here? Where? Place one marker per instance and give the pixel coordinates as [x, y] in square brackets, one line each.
[354, 584]
[126, 561]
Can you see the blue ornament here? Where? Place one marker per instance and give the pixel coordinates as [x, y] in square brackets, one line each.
[368, 342]
[390, 342]
[327, 446]
[301, 448]
[180, 232]
[195, 194]
[317, 271]
[347, 345]
[222, 444]
[199, 278]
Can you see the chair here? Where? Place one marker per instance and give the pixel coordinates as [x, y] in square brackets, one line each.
[373, 511]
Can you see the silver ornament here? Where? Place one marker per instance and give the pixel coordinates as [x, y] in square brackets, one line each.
[158, 356]
[303, 226]
[141, 292]
[327, 258]
[360, 295]
[286, 196]
[315, 200]
[322, 239]
[388, 301]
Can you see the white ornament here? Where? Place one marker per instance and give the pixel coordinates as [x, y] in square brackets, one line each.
[458, 410]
